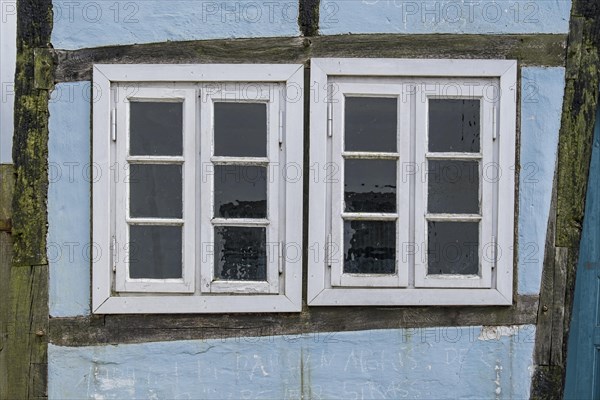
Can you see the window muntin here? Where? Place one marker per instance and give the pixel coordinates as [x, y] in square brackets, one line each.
[174, 182]
[480, 150]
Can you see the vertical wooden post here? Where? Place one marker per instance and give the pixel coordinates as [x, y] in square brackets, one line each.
[24, 283]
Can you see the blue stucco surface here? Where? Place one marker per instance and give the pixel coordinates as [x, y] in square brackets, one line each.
[541, 97]
[69, 174]
[101, 23]
[433, 363]
[446, 16]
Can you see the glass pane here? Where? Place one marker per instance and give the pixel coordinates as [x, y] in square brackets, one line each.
[371, 124]
[453, 187]
[156, 129]
[369, 247]
[155, 252]
[370, 185]
[454, 125]
[240, 253]
[453, 248]
[241, 129]
[240, 191]
[155, 191]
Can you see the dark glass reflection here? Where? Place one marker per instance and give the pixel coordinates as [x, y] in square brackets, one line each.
[453, 187]
[155, 191]
[369, 247]
[371, 124]
[241, 129]
[156, 129]
[453, 248]
[155, 252]
[240, 253]
[240, 191]
[370, 185]
[454, 125]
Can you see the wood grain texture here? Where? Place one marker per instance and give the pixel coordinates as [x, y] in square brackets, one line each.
[548, 50]
[574, 153]
[544, 330]
[24, 296]
[308, 17]
[6, 192]
[113, 329]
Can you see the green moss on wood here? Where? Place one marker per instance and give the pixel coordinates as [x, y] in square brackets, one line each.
[30, 146]
[24, 317]
[308, 17]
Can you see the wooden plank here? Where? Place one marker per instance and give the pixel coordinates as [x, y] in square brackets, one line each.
[25, 298]
[114, 329]
[6, 193]
[543, 340]
[308, 17]
[27, 326]
[577, 126]
[548, 50]
[575, 139]
[558, 309]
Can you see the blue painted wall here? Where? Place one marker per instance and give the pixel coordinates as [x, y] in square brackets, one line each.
[541, 104]
[446, 16]
[466, 363]
[69, 173]
[102, 23]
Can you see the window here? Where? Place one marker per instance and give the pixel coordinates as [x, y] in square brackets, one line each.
[412, 182]
[201, 208]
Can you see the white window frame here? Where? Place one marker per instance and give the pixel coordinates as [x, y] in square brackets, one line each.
[334, 78]
[194, 85]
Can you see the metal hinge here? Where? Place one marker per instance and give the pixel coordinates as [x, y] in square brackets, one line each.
[281, 116]
[113, 124]
[330, 117]
[495, 250]
[328, 251]
[494, 124]
[114, 250]
[280, 258]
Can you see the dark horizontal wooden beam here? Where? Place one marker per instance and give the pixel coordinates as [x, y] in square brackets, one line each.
[547, 50]
[118, 329]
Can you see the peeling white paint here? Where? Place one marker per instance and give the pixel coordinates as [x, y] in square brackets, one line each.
[496, 332]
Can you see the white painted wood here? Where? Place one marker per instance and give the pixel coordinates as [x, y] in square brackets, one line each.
[216, 304]
[420, 79]
[411, 67]
[8, 58]
[258, 161]
[507, 122]
[198, 72]
[293, 164]
[410, 297]
[318, 223]
[285, 98]
[102, 193]
[370, 155]
[364, 216]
